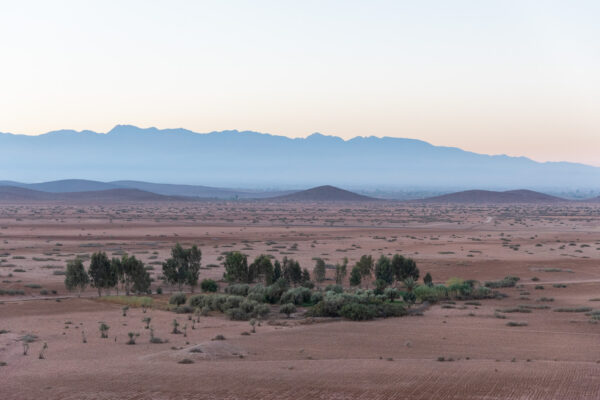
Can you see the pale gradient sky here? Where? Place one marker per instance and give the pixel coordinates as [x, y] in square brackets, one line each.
[514, 77]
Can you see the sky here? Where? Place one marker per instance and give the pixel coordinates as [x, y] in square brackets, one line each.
[496, 77]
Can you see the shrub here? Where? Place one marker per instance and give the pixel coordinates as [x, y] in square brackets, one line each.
[238, 289]
[231, 302]
[358, 312]
[132, 336]
[432, 294]
[177, 299]
[209, 285]
[334, 288]
[574, 309]
[198, 301]
[386, 310]
[274, 292]
[183, 310]
[515, 323]
[299, 295]
[257, 293]
[391, 293]
[262, 310]
[316, 297]
[103, 330]
[507, 281]
[237, 314]
[287, 309]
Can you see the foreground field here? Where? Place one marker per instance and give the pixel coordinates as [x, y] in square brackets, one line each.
[554, 250]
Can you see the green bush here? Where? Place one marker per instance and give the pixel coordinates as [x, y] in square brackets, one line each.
[287, 309]
[177, 299]
[316, 297]
[386, 310]
[274, 292]
[358, 312]
[198, 301]
[208, 285]
[240, 289]
[297, 296]
[334, 288]
[507, 281]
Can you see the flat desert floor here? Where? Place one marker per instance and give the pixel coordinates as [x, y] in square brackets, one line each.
[554, 250]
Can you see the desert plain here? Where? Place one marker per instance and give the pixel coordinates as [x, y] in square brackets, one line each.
[448, 350]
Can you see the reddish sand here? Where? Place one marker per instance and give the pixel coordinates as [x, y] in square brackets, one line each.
[556, 356]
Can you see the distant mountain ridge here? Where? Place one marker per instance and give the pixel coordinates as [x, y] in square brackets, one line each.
[251, 159]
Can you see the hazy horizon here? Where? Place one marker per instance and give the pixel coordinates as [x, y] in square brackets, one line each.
[513, 77]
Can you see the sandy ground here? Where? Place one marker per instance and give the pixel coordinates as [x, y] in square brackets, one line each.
[556, 356]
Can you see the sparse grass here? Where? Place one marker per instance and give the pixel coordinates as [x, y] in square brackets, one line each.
[573, 309]
[514, 310]
[130, 301]
[516, 323]
[546, 299]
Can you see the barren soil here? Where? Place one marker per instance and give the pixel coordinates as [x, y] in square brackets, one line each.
[555, 356]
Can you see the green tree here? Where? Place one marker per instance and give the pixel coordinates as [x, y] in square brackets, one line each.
[117, 270]
[76, 277]
[384, 270]
[131, 273]
[101, 274]
[138, 276]
[261, 269]
[276, 271]
[292, 272]
[341, 271]
[365, 265]
[405, 268]
[236, 267]
[305, 277]
[428, 280]
[355, 276]
[319, 271]
[183, 268]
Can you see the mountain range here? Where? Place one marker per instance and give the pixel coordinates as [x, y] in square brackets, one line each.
[85, 191]
[255, 160]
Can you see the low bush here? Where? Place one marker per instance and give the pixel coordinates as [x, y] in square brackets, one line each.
[209, 285]
[177, 299]
[287, 309]
[238, 289]
[507, 281]
[358, 311]
[297, 296]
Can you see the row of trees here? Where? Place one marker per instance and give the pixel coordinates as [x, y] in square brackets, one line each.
[183, 268]
[386, 270]
[104, 274]
[262, 269]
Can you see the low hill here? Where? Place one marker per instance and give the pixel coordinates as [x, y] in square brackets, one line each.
[166, 189]
[12, 194]
[324, 193]
[199, 191]
[492, 197]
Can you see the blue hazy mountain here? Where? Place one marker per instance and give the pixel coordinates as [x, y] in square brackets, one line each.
[251, 159]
